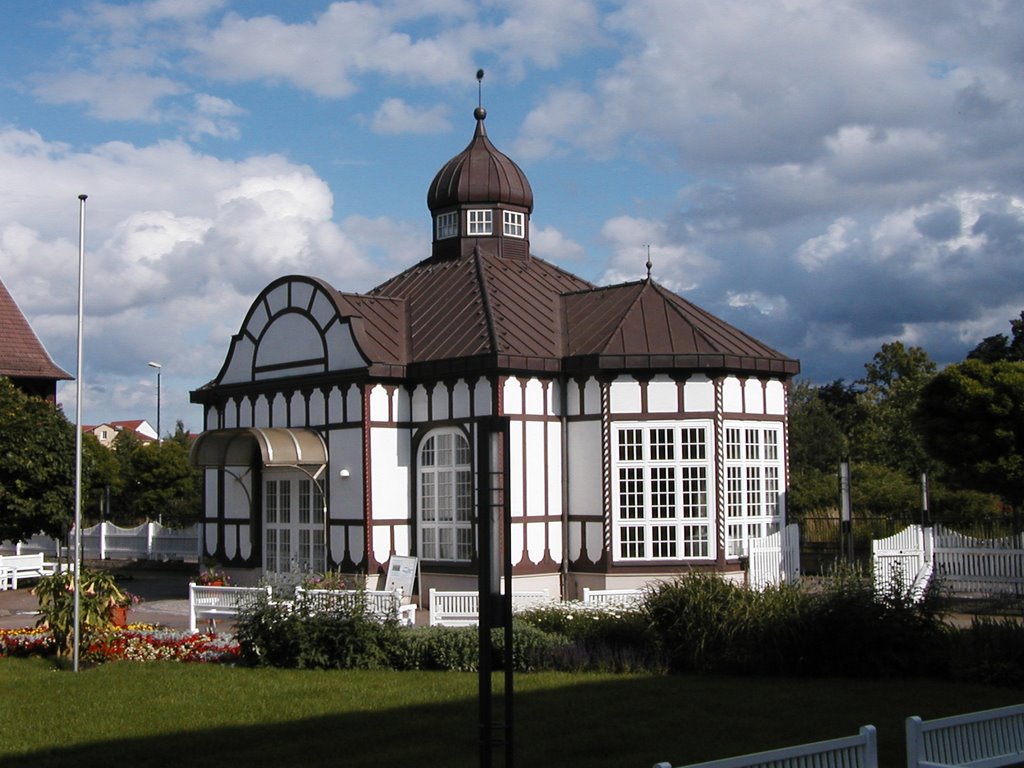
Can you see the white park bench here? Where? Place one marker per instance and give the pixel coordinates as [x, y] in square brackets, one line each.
[993, 737]
[379, 603]
[462, 609]
[25, 567]
[603, 598]
[860, 751]
[209, 602]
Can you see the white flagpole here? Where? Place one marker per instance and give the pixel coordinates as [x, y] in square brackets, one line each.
[78, 428]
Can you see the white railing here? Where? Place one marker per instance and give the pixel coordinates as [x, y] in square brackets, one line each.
[964, 565]
[775, 558]
[106, 541]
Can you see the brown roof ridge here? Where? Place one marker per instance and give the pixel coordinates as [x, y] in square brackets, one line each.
[674, 300]
[485, 298]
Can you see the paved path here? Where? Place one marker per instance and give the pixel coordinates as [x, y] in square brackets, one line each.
[164, 591]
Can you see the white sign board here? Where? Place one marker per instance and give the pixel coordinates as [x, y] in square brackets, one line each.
[402, 573]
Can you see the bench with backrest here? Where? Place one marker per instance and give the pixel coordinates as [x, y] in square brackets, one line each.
[860, 751]
[26, 567]
[379, 603]
[603, 598]
[210, 602]
[985, 739]
[462, 609]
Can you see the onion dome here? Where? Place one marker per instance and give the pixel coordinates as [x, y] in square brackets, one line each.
[480, 174]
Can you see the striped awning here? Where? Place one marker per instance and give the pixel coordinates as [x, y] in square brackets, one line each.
[276, 447]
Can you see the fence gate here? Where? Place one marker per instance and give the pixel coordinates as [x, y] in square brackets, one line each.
[775, 558]
[969, 566]
[904, 560]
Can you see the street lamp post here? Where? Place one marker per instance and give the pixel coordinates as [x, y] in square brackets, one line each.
[159, 435]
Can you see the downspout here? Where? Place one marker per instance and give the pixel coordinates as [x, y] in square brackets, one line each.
[563, 398]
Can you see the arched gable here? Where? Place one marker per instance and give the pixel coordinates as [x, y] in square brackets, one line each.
[295, 327]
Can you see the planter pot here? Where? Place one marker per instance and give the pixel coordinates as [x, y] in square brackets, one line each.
[119, 616]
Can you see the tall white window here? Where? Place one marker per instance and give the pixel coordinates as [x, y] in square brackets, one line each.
[447, 225]
[514, 224]
[445, 491]
[480, 222]
[753, 472]
[293, 526]
[663, 494]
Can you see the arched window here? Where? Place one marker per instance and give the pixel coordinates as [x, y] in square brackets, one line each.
[445, 491]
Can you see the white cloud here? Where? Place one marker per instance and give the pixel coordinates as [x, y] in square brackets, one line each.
[818, 251]
[121, 96]
[552, 244]
[394, 116]
[177, 246]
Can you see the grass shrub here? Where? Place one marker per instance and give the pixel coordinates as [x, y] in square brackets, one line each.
[610, 639]
[990, 651]
[281, 635]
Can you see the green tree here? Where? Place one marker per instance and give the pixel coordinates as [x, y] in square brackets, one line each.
[992, 349]
[972, 418]
[892, 386]
[37, 461]
[159, 483]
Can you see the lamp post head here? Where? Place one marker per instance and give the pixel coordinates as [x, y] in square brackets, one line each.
[154, 365]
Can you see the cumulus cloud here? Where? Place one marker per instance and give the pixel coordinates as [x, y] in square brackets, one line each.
[394, 116]
[172, 279]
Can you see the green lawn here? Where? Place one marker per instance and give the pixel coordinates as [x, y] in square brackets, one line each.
[164, 714]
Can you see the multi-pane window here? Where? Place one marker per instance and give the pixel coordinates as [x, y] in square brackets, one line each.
[445, 497]
[662, 500]
[447, 225]
[514, 224]
[753, 471]
[480, 222]
[294, 525]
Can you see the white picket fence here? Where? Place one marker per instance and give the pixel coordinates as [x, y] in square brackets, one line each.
[106, 541]
[964, 566]
[775, 558]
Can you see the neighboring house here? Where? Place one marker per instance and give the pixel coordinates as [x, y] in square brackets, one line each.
[22, 357]
[107, 433]
[642, 436]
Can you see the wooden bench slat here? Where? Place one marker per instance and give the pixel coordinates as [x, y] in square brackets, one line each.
[860, 751]
[986, 739]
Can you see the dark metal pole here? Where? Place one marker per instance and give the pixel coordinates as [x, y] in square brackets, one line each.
[494, 560]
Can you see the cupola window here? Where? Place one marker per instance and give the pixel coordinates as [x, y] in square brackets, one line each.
[480, 222]
[447, 225]
[514, 224]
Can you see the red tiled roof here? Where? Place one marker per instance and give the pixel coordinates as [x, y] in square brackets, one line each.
[21, 353]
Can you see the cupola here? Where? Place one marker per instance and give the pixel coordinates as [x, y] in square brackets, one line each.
[480, 199]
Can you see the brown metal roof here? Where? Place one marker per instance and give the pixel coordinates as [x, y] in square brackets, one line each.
[21, 353]
[644, 325]
[482, 305]
[480, 174]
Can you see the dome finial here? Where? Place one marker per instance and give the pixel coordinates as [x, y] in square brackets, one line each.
[480, 113]
[649, 264]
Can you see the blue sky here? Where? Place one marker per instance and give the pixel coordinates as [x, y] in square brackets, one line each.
[827, 176]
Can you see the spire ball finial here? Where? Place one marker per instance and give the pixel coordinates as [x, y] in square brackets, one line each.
[480, 113]
[479, 74]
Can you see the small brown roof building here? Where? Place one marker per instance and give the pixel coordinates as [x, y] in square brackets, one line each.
[646, 436]
[22, 356]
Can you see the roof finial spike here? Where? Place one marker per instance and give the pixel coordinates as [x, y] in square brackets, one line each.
[649, 265]
[480, 113]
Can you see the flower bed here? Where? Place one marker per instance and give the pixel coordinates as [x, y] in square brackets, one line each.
[137, 642]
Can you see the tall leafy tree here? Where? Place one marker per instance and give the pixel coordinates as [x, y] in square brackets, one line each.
[159, 483]
[992, 349]
[972, 418]
[37, 460]
[891, 388]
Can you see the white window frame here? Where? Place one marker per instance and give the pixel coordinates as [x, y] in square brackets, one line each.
[294, 524]
[754, 472]
[447, 225]
[445, 499]
[480, 222]
[663, 505]
[515, 224]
